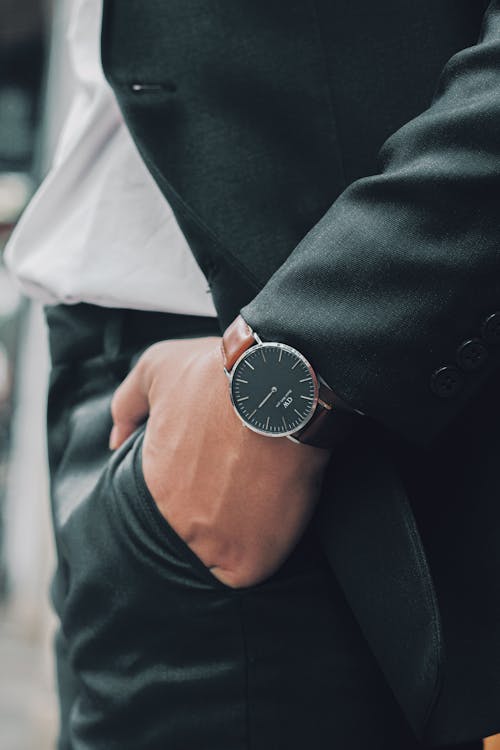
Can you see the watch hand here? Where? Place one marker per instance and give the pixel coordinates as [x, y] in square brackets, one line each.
[273, 390]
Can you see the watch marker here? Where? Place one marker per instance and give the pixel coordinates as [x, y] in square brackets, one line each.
[263, 355]
[305, 379]
[281, 354]
[298, 412]
[240, 380]
[243, 398]
[267, 423]
[251, 415]
[250, 366]
[295, 365]
[307, 398]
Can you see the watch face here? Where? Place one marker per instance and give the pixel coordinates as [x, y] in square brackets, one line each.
[274, 389]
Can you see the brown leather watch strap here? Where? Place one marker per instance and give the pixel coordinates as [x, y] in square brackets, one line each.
[237, 338]
[328, 428]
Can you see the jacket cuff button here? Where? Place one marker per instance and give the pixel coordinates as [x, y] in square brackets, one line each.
[471, 355]
[446, 381]
[491, 328]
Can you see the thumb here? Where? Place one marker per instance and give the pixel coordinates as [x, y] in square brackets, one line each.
[130, 404]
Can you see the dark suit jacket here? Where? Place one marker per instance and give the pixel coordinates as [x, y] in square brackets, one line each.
[335, 166]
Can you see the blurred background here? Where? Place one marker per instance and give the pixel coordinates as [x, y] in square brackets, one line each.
[32, 106]
[34, 95]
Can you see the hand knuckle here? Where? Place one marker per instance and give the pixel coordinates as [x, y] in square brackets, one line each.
[150, 354]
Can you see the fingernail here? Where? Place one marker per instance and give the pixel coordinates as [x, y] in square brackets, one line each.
[113, 438]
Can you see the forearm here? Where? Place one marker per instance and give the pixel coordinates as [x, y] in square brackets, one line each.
[405, 265]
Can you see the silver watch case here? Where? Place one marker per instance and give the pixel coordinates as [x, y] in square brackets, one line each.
[259, 345]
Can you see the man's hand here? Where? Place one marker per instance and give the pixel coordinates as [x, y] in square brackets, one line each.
[240, 500]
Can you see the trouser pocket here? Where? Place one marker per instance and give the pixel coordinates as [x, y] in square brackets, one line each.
[156, 648]
[156, 653]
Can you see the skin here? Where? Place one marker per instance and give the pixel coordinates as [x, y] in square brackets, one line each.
[240, 500]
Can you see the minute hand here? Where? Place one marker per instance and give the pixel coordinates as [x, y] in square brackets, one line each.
[273, 390]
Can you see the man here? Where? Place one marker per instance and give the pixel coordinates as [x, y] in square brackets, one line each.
[223, 586]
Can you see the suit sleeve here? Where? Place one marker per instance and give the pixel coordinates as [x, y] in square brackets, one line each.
[394, 295]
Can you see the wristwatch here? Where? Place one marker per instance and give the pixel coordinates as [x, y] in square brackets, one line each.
[276, 392]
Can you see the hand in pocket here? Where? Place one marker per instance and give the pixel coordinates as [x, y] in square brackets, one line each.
[239, 500]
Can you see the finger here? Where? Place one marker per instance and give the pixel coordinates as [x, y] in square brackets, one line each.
[130, 404]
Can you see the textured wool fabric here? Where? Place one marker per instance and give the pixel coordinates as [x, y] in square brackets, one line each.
[254, 118]
[335, 168]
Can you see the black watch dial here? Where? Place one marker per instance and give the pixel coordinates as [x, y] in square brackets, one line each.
[274, 389]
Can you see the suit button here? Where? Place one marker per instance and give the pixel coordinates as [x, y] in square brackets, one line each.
[491, 328]
[471, 354]
[446, 381]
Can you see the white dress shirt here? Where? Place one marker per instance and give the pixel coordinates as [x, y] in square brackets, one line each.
[98, 229]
